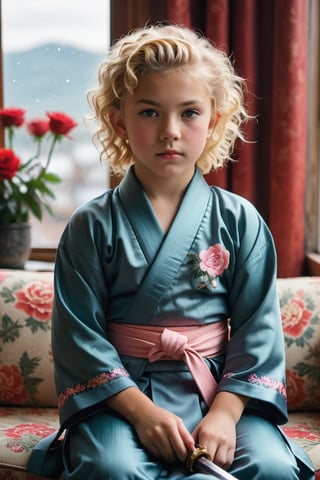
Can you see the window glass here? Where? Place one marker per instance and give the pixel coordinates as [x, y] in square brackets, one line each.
[51, 52]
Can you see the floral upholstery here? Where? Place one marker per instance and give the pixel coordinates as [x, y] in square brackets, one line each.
[27, 397]
[300, 310]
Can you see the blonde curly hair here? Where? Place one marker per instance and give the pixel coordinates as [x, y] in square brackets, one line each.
[159, 48]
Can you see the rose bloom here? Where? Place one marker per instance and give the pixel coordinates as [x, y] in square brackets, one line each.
[40, 430]
[36, 299]
[295, 317]
[9, 163]
[12, 388]
[60, 123]
[214, 260]
[38, 127]
[12, 117]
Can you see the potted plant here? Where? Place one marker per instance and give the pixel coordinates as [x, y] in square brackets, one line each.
[25, 187]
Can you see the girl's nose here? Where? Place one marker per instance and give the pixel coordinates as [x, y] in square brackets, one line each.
[169, 130]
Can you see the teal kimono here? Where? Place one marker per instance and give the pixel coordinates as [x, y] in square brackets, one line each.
[115, 264]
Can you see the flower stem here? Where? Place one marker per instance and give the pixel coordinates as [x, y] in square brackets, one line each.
[55, 138]
[10, 136]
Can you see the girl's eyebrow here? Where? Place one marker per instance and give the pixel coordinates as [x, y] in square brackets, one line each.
[157, 104]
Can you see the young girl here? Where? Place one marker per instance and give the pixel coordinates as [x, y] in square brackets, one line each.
[166, 325]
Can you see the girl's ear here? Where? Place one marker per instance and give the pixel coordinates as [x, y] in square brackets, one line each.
[118, 124]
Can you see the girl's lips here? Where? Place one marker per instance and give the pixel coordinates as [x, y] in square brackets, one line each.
[169, 154]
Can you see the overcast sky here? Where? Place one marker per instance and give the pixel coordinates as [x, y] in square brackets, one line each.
[27, 23]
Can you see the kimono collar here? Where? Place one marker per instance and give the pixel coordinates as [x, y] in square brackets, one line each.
[164, 253]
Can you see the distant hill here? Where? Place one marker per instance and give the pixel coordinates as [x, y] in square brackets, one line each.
[51, 77]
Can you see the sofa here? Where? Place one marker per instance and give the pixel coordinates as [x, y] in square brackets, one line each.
[28, 410]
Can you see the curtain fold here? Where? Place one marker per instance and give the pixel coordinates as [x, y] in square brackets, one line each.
[268, 41]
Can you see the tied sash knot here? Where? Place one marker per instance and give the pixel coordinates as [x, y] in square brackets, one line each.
[191, 345]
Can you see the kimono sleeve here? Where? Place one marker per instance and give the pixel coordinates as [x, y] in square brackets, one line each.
[255, 358]
[88, 369]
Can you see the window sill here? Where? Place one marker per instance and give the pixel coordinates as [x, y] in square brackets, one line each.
[313, 264]
[43, 254]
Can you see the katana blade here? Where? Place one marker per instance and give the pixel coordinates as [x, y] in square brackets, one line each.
[199, 461]
[203, 465]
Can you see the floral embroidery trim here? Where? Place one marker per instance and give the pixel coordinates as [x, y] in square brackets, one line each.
[265, 381]
[209, 265]
[268, 382]
[94, 382]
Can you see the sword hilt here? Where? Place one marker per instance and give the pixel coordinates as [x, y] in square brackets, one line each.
[193, 456]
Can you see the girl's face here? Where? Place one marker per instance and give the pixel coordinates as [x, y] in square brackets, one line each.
[167, 121]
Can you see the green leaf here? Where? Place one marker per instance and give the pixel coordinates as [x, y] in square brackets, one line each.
[46, 191]
[35, 207]
[10, 330]
[51, 177]
[7, 295]
[311, 371]
[28, 365]
[31, 383]
[36, 325]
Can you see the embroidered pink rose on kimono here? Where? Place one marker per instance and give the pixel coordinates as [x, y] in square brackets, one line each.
[210, 264]
[295, 389]
[295, 316]
[36, 299]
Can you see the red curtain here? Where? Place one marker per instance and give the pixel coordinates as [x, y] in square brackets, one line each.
[268, 42]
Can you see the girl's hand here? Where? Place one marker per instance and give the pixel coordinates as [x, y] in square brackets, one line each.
[163, 434]
[217, 430]
[217, 433]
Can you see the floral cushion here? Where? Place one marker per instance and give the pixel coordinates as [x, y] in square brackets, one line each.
[300, 310]
[304, 429]
[21, 428]
[26, 369]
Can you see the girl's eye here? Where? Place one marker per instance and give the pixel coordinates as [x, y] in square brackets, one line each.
[148, 113]
[190, 113]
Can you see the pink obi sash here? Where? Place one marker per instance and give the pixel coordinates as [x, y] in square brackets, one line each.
[189, 344]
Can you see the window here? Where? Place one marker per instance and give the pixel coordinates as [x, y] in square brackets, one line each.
[51, 51]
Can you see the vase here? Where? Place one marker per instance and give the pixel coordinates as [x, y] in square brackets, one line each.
[15, 245]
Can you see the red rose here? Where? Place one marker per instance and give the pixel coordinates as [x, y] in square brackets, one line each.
[36, 299]
[9, 163]
[12, 388]
[60, 123]
[38, 127]
[12, 117]
[295, 317]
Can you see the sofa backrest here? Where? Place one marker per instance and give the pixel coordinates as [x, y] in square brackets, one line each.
[26, 368]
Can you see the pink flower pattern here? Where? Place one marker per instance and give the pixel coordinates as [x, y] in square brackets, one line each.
[209, 264]
[268, 382]
[265, 381]
[36, 299]
[94, 382]
[295, 316]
